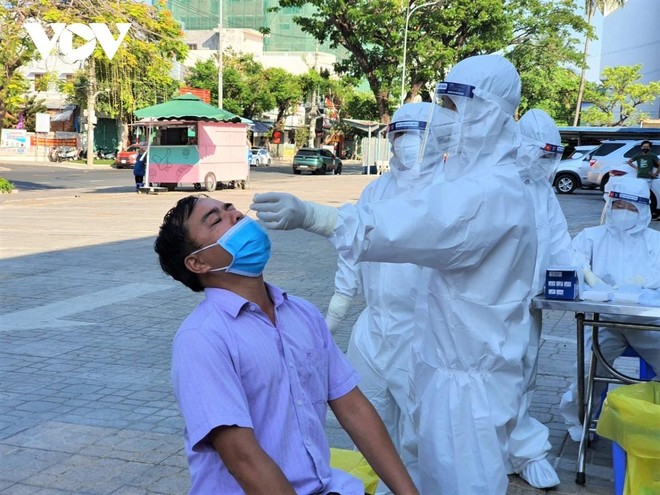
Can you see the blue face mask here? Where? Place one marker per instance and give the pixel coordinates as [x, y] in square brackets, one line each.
[249, 246]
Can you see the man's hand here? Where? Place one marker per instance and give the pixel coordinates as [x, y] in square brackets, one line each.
[283, 211]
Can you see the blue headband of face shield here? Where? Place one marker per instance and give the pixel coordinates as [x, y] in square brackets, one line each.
[614, 195]
[406, 125]
[553, 148]
[446, 88]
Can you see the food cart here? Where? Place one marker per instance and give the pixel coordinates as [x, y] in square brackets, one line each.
[191, 142]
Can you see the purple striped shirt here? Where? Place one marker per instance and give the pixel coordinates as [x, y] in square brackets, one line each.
[231, 366]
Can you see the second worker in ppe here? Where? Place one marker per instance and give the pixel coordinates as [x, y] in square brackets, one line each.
[386, 330]
[538, 156]
[476, 231]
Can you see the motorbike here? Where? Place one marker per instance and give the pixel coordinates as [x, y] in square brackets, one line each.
[107, 154]
[62, 153]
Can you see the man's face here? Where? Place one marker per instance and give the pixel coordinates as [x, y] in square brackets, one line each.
[646, 148]
[209, 221]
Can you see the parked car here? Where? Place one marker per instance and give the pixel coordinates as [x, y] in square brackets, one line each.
[261, 157]
[317, 161]
[572, 171]
[126, 158]
[614, 155]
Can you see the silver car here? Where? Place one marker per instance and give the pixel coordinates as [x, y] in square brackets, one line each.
[614, 155]
[572, 171]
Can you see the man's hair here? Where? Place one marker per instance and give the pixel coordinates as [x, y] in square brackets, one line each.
[646, 141]
[173, 244]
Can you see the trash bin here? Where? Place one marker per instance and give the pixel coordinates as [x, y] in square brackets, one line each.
[354, 463]
[631, 418]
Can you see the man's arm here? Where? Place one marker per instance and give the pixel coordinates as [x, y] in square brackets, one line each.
[253, 469]
[362, 423]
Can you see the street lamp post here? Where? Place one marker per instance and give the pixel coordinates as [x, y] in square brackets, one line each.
[409, 13]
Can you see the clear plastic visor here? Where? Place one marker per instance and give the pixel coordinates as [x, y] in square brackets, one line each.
[406, 141]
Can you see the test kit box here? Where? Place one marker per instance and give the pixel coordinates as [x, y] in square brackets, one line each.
[561, 283]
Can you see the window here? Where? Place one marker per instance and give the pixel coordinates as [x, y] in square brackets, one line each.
[607, 148]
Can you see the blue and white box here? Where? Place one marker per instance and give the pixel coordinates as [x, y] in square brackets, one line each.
[562, 283]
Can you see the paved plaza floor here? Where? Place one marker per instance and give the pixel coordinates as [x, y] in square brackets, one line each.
[86, 324]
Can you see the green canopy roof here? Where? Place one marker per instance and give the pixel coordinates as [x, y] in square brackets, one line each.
[186, 107]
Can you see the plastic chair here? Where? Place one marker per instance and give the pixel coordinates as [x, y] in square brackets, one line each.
[646, 372]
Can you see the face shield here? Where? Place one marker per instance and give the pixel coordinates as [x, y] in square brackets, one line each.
[538, 160]
[627, 208]
[419, 136]
[475, 112]
[405, 137]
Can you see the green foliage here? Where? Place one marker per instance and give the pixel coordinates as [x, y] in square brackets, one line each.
[5, 186]
[301, 136]
[372, 31]
[360, 105]
[16, 49]
[615, 101]
[543, 49]
[139, 74]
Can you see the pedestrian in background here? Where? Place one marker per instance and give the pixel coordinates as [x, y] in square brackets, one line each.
[140, 168]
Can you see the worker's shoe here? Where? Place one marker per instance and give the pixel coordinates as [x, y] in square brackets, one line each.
[540, 474]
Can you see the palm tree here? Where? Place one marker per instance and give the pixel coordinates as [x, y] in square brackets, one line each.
[590, 6]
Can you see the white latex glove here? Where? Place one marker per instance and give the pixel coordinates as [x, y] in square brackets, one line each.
[337, 310]
[592, 279]
[283, 211]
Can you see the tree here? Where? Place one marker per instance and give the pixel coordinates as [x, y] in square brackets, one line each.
[541, 40]
[29, 109]
[245, 88]
[16, 50]
[139, 73]
[616, 100]
[590, 7]
[286, 90]
[372, 31]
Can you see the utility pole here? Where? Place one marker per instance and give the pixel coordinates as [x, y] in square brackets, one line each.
[91, 113]
[314, 113]
[220, 61]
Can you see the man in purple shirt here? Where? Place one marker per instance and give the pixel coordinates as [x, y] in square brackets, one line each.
[254, 369]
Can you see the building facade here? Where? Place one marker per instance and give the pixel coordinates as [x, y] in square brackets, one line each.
[631, 35]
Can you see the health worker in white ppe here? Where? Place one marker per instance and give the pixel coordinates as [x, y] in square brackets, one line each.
[621, 257]
[538, 157]
[384, 334]
[476, 230]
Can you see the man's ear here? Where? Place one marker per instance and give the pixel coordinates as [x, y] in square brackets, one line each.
[195, 265]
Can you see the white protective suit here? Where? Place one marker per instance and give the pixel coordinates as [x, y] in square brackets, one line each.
[386, 330]
[476, 230]
[538, 156]
[622, 256]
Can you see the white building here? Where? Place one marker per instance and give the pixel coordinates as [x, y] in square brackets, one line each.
[630, 36]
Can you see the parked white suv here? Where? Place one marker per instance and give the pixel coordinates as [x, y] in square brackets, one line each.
[572, 171]
[614, 155]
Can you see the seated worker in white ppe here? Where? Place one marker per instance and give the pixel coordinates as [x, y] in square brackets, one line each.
[476, 230]
[383, 336]
[538, 157]
[623, 255]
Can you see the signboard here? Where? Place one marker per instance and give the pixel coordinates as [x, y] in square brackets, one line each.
[15, 138]
[43, 122]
